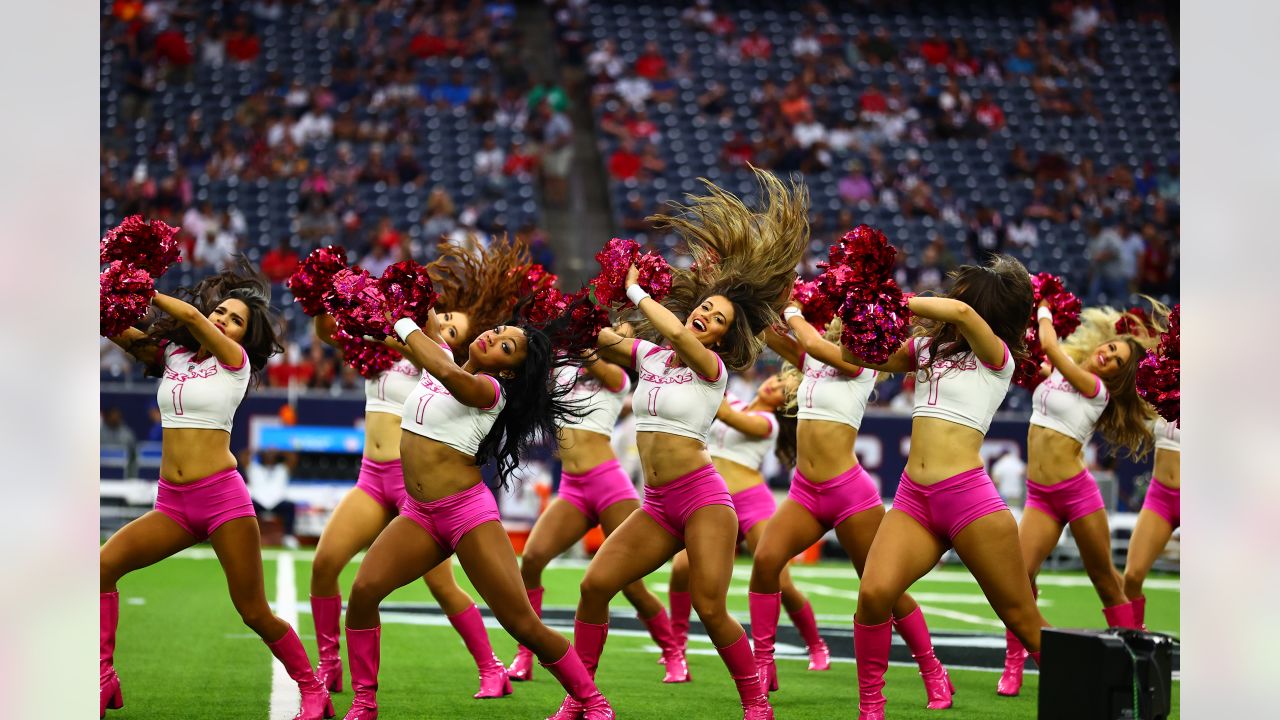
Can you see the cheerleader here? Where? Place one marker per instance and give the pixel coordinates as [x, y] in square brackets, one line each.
[1161, 514]
[963, 360]
[1090, 386]
[456, 419]
[206, 350]
[594, 490]
[742, 435]
[744, 266]
[477, 288]
[830, 490]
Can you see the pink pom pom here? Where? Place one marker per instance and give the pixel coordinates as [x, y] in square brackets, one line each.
[818, 306]
[150, 246]
[857, 285]
[312, 280]
[1160, 372]
[124, 293]
[370, 359]
[547, 304]
[535, 278]
[408, 291]
[357, 304]
[876, 321]
[1065, 307]
[616, 259]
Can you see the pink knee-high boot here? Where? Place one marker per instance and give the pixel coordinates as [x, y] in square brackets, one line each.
[584, 700]
[737, 656]
[522, 667]
[109, 694]
[871, 651]
[326, 612]
[1015, 657]
[681, 605]
[807, 624]
[672, 654]
[765, 608]
[1121, 616]
[363, 648]
[937, 684]
[493, 676]
[588, 644]
[316, 704]
[1140, 611]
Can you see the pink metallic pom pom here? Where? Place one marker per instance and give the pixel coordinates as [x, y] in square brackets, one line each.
[616, 259]
[312, 280]
[151, 246]
[370, 359]
[124, 293]
[876, 321]
[1065, 307]
[1160, 371]
[535, 278]
[816, 302]
[357, 304]
[547, 304]
[408, 291]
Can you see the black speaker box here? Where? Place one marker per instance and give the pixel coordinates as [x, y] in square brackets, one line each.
[1105, 675]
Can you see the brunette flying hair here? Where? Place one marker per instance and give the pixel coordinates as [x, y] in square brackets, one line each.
[485, 284]
[240, 281]
[1000, 293]
[747, 256]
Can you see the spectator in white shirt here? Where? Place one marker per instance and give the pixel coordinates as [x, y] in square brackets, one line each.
[1023, 233]
[1010, 475]
[635, 91]
[808, 130]
[605, 59]
[489, 160]
[1085, 18]
[314, 125]
[805, 45]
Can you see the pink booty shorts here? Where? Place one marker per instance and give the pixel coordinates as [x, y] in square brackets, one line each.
[754, 504]
[1068, 500]
[596, 489]
[446, 520]
[947, 507]
[203, 506]
[672, 504]
[834, 501]
[1165, 502]
[382, 481]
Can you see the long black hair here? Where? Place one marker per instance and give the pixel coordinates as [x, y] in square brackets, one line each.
[536, 405]
[240, 281]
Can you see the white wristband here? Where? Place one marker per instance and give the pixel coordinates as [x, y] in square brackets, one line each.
[635, 294]
[791, 312]
[1044, 314]
[405, 327]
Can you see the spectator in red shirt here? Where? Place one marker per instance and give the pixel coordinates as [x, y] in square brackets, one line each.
[755, 46]
[625, 164]
[640, 127]
[279, 262]
[738, 152]
[386, 235]
[520, 162]
[242, 44]
[935, 50]
[988, 113]
[872, 101]
[650, 63]
[173, 48]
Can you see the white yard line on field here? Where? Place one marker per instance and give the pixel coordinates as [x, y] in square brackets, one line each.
[284, 692]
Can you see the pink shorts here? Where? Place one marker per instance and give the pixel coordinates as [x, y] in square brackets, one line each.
[596, 489]
[1165, 502]
[1067, 501]
[672, 504]
[202, 506]
[754, 504]
[947, 507]
[836, 500]
[448, 519]
[382, 481]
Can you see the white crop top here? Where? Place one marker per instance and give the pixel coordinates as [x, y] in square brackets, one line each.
[728, 443]
[200, 394]
[962, 390]
[1057, 405]
[826, 393]
[387, 392]
[674, 399]
[1168, 435]
[601, 405]
[432, 411]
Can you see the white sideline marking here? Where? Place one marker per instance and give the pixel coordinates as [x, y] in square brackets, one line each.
[284, 692]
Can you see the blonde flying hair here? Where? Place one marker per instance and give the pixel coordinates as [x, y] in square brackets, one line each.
[747, 256]
[1126, 422]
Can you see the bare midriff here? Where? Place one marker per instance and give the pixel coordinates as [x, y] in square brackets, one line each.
[1166, 470]
[668, 457]
[433, 470]
[191, 454]
[1052, 457]
[381, 436]
[941, 449]
[583, 450]
[824, 449]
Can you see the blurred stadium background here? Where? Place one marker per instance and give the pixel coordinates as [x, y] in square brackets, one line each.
[1048, 130]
